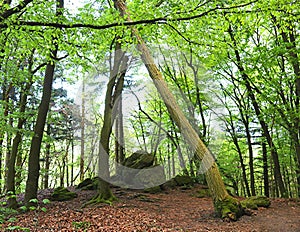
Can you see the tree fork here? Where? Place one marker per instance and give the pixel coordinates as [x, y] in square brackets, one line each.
[226, 206]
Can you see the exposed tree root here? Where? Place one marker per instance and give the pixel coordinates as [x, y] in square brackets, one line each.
[255, 202]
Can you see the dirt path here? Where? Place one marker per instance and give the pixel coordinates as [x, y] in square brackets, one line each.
[177, 210]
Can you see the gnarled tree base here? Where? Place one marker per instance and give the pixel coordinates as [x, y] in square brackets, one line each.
[229, 209]
[104, 195]
[99, 198]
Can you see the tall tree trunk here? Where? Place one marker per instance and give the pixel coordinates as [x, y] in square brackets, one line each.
[216, 185]
[243, 166]
[8, 145]
[119, 132]
[47, 158]
[82, 128]
[231, 128]
[34, 154]
[72, 159]
[11, 170]
[251, 165]
[265, 170]
[5, 99]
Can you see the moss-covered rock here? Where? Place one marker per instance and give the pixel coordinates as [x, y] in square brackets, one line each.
[229, 209]
[255, 202]
[183, 180]
[85, 183]
[62, 194]
[139, 160]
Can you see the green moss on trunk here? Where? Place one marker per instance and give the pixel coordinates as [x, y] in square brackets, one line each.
[229, 209]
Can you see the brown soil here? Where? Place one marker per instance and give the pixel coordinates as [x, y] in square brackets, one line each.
[175, 210]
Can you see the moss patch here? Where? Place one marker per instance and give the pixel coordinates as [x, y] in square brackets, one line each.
[62, 194]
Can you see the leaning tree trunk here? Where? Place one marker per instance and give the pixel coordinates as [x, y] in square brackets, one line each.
[225, 206]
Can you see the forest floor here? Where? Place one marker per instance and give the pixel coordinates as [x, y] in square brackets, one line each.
[173, 210]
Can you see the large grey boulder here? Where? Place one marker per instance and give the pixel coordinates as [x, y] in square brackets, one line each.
[140, 171]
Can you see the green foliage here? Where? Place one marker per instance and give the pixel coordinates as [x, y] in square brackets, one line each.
[6, 214]
[81, 225]
[18, 228]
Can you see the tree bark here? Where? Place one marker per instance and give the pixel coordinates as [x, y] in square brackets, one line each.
[47, 159]
[34, 155]
[265, 170]
[82, 128]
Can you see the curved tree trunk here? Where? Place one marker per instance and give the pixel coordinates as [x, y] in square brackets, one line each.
[113, 92]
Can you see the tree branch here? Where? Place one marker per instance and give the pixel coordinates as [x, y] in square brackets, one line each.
[14, 10]
[160, 20]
